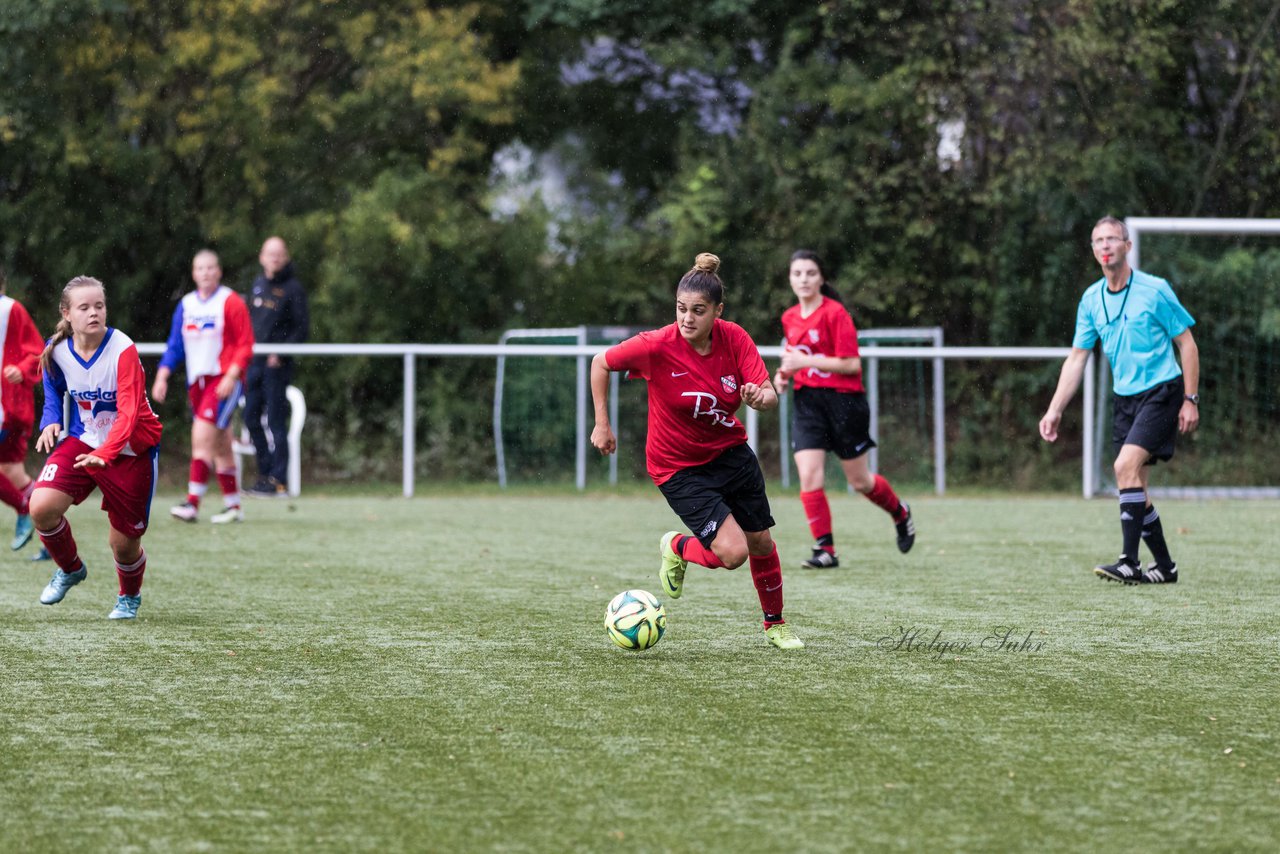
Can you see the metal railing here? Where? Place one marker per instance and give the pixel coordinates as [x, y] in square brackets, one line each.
[409, 353]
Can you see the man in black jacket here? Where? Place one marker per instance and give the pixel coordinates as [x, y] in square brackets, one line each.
[278, 311]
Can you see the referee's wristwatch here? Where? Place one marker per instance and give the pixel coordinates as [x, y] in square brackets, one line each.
[1194, 398]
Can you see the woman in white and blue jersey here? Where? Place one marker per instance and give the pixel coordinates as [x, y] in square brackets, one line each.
[112, 444]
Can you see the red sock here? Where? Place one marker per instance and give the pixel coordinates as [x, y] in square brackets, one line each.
[131, 576]
[693, 551]
[62, 546]
[818, 513]
[198, 483]
[230, 489]
[883, 496]
[766, 574]
[10, 494]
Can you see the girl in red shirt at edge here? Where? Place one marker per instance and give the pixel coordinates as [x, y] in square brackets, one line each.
[700, 370]
[830, 412]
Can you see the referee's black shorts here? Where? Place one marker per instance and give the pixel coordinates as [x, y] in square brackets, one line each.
[829, 420]
[705, 495]
[1148, 419]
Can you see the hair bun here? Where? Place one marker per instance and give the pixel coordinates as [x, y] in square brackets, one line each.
[706, 262]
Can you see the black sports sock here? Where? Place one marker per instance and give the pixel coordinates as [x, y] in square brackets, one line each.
[1132, 500]
[1153, 535]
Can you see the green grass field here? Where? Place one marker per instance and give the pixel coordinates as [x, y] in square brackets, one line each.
[376, 674]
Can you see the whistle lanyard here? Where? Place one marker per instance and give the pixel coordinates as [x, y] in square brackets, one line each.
[1128, 286]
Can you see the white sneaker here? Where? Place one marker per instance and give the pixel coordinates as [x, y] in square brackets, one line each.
[231, 514]
[185, 512]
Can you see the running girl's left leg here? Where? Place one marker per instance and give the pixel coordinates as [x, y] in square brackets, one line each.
[128, 486]
[878, 491]
[224, 461]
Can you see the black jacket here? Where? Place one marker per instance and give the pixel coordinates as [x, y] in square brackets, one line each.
[278, 309]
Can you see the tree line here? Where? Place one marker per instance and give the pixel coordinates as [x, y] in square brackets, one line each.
[443, 171]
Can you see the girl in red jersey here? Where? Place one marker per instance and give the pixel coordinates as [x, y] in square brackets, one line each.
[112, 444]
[20, 349]
[700, 369]
[212, 335]
[830, 412]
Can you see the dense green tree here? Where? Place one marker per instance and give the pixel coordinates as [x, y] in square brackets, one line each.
[445, 170]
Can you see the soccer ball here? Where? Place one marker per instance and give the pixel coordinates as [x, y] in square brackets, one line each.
[635, 619]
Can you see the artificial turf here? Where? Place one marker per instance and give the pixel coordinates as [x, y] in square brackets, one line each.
[383, 674]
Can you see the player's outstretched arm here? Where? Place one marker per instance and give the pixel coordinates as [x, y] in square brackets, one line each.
[1068, 382]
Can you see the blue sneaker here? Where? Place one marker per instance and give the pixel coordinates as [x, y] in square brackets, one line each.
[126, 607]
[43, 554]
[22, 531]
[61, 582]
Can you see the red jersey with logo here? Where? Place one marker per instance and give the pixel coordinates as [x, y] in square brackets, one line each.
[21, 347]
[692, 398]
[827, 332]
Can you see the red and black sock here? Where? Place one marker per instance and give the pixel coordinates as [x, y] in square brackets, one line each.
[818, 513]
[692, 550]
[883, 496]
[766, 574]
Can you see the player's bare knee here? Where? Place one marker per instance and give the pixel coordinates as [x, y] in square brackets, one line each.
[45, 512]
[733, 556]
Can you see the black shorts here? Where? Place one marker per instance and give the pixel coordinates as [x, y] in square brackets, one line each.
[1148, 419]
[828, 420]
[705, 495]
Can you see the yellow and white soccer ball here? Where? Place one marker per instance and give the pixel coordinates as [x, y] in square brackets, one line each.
[635, 619]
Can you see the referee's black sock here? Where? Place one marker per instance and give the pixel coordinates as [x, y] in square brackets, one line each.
[1132, 502]
[1153, 536]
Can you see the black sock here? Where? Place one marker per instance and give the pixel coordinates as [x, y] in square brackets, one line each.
[1132, 500]
[773, 618]
[827, 541]
[1153, 535]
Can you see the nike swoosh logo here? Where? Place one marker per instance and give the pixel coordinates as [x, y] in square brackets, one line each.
[681, 374]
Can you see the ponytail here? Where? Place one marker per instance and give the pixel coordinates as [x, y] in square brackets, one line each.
[63, 330]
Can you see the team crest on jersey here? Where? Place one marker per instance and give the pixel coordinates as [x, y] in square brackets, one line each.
[813, 336]
[729, 384]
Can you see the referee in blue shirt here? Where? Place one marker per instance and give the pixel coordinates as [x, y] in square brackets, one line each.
[1139, 321]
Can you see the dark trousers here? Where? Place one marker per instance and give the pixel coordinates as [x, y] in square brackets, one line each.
[264, 390]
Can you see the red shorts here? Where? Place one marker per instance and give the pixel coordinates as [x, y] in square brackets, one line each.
[127, 483]
[205, 405]
[14, 438]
